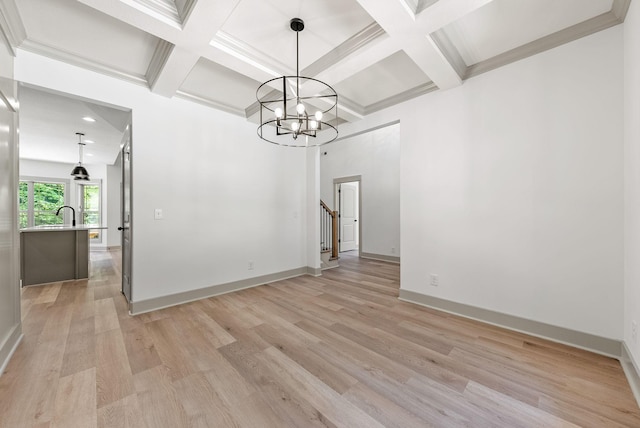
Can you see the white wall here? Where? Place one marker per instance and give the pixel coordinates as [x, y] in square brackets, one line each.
[632, 177]
[375, 156]
[228, 198]
[511, 188]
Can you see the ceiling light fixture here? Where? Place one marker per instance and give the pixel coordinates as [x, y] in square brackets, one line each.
[80, 172]
[286, 104]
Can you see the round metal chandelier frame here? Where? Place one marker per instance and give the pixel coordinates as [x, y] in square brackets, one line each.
[285, 108]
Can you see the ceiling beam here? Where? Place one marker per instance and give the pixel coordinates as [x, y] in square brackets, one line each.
[405, 28]
[444, 12]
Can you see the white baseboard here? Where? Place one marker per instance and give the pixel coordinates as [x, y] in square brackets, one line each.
[9, 346]
[382, 257]
[586, 341]
[631, 371]
[161, 302]
[312, 271]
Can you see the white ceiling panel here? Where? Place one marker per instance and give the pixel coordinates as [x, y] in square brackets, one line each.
[502, 25]
[328, 23]
[216, 83]
[375, 53]
[393, 75]
[74, 28]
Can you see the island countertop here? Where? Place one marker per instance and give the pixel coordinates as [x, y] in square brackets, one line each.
[62, 227]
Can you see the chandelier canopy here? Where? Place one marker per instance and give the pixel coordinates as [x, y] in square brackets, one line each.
[297, 111]
[80, 172]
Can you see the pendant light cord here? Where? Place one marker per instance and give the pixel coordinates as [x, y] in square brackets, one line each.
[297, 67]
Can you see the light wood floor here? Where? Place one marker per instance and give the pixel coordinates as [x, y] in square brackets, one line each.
[337, 351]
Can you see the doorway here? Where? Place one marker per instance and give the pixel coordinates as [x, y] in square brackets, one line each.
[48, 118]
[348, 200]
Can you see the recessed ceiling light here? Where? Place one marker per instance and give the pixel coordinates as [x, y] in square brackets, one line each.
[88, 119]
[89, 141]
[89, 154]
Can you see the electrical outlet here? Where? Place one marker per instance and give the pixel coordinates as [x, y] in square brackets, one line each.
[433, 280]
[393, 250]
[251, 265]
[634, 331]
[158, 214]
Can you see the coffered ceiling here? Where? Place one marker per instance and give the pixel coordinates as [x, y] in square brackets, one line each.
[375, 53]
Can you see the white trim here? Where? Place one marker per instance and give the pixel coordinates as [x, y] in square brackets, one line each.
[73, 59]
[9, 346]
[161, 302]
[631, 371]
[210, 103]
[401, 97]
[559, 38]
[577, 339]
[158, 61]
[381, 257]
[11, 26]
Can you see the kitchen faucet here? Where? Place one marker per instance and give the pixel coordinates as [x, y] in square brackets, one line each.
[74, 213]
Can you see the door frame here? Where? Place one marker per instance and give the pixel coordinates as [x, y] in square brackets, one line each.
[336, 203]
[127, 254]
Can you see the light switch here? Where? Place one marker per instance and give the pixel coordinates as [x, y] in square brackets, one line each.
[157, 214]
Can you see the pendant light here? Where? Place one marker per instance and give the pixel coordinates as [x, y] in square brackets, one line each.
[80, 172]
[297, 106]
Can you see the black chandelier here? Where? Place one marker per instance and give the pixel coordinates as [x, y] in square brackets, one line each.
[287, 103]
[80, 172]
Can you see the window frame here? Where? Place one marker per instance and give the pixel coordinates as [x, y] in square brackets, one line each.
[81, 210]
[31, 201]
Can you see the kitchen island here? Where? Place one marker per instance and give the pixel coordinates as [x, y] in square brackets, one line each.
[54, 253]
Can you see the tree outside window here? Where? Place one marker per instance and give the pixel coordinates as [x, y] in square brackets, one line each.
[38, 202]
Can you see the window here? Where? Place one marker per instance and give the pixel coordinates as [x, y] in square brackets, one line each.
[23, 204]
[39, 200]
[90, 196]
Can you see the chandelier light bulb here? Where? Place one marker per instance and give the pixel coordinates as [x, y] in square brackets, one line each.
[278, 113]
[300, 108]
[295, 126]
[313, 124]
[318, 115]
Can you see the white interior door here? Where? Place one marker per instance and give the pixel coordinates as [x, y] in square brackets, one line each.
[348, 211]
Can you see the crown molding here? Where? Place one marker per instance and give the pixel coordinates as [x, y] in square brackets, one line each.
[165, 9]
[620, 9]
[158, 61]
[244, 52]
[601, 22]
[210, 103]
[11, 25]
[449, 51]
[73, 59]
[350, 106]
[423, 4]
[185, 10]
[344, 49]
[401, 97]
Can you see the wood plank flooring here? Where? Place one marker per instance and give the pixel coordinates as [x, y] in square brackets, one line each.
[335, 351]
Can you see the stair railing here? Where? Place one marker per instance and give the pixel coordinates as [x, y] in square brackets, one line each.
[328, 231]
